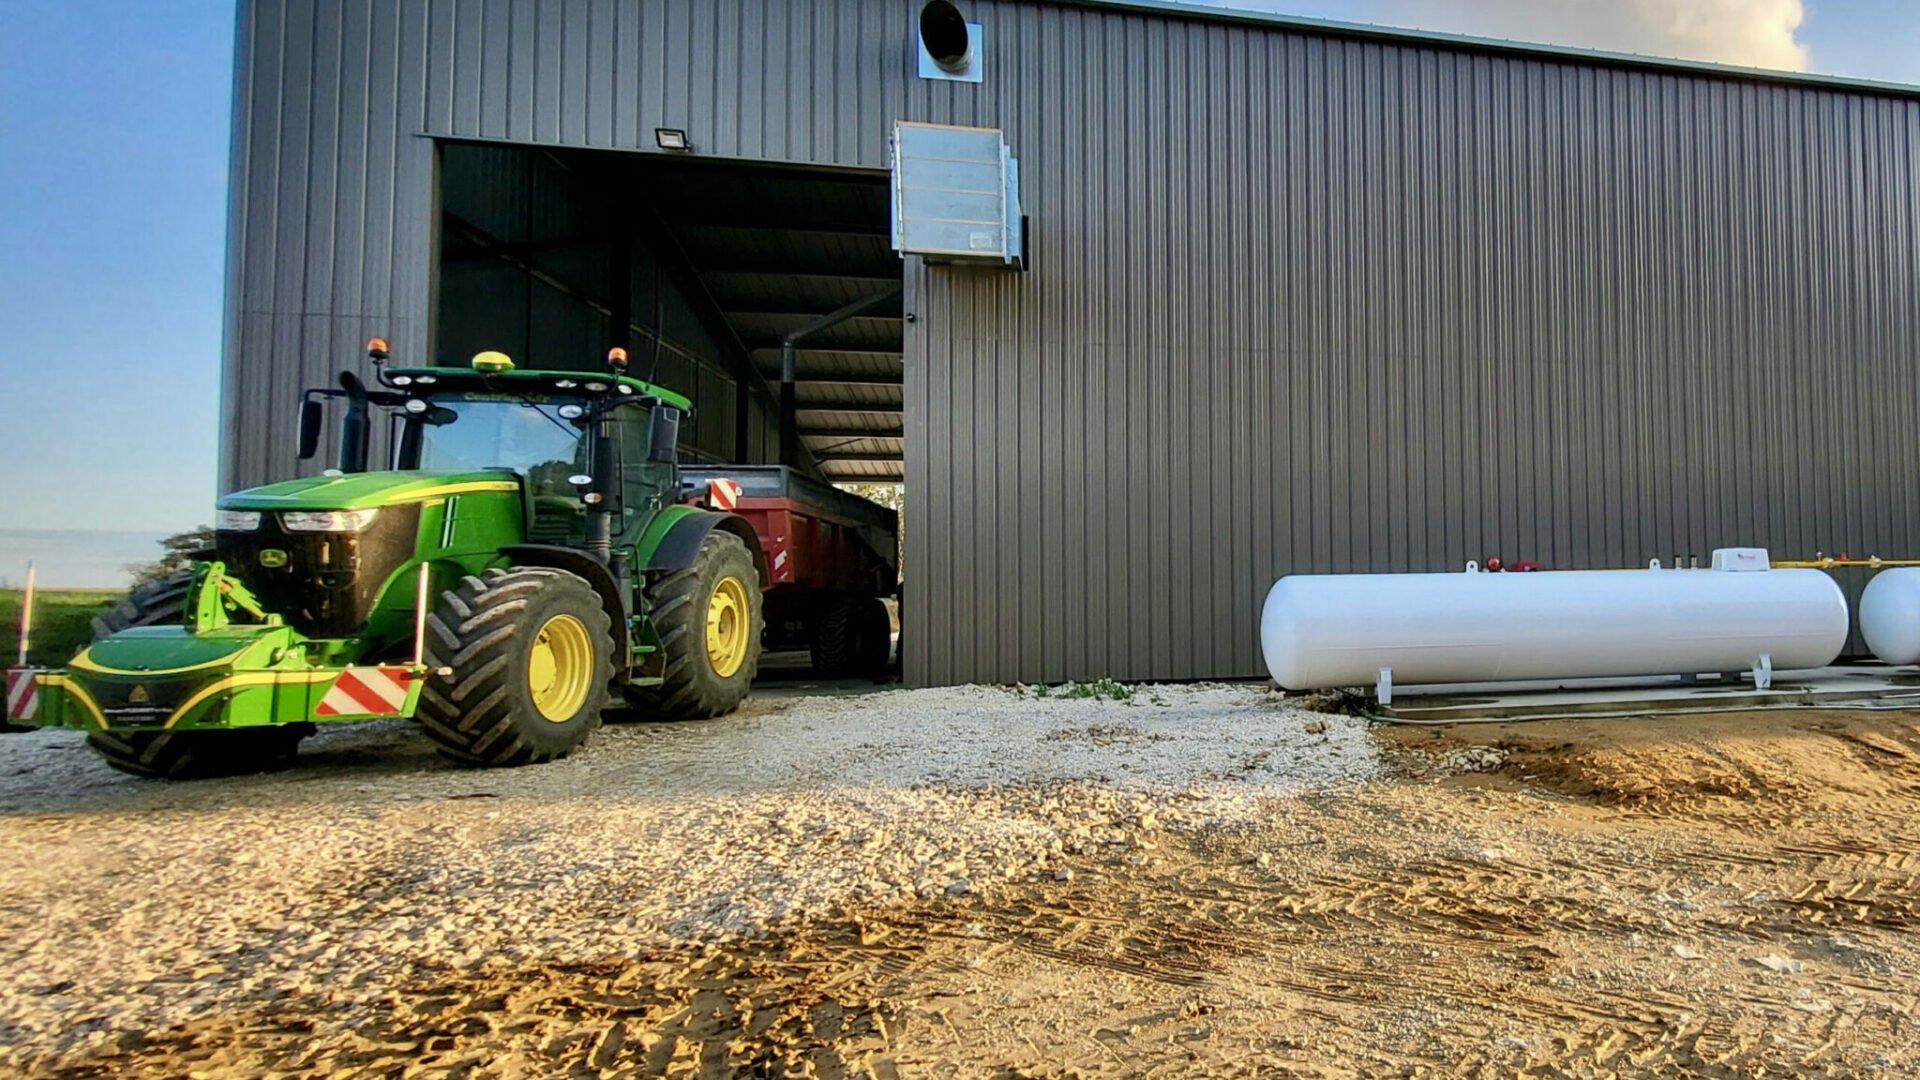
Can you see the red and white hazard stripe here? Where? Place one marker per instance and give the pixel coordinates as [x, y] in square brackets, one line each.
[23, 693]
[372, 691]
[723, 494]
[782, 561]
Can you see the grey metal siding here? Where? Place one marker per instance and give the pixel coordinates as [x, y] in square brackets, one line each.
[1300, 301]
[1304, 304]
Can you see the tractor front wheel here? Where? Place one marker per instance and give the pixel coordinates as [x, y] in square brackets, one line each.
[199, 755]
[521, 663]
[709, 620]
[157, 603]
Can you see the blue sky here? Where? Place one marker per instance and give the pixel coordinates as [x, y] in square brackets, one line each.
[113, 175]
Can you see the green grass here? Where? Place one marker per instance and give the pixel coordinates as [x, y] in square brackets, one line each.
[61, 623]
[1103, 688]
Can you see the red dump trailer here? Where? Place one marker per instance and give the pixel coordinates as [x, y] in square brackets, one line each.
[832, 558]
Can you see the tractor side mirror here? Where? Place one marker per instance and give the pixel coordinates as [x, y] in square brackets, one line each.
[310, 420]
[663, 435]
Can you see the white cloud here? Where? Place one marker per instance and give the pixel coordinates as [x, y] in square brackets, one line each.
[1752, 33]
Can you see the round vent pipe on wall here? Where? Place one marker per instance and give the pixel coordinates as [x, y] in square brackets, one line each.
[943, 32]
[948, 43]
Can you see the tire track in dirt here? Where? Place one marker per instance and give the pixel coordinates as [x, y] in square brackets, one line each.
[1623, 904]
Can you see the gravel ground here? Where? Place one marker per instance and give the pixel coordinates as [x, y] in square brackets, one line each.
[130, 906]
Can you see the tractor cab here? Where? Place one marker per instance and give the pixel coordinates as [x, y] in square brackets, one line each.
[583, 445]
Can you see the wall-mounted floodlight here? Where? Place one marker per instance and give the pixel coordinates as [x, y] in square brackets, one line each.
[949, 45]
[670, 139]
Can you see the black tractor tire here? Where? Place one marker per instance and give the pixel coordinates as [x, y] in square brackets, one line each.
[678, 603]
[852, 639]
[184, 755]
[483, 635]
[199, 755]
[157, 603]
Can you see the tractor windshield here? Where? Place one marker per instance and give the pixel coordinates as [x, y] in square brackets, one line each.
[492, 431]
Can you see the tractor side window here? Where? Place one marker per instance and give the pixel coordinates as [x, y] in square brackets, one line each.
[646, 482]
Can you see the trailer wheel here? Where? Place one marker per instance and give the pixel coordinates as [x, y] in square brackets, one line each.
[199, 755]
[529, 659]
[709, 620]
[852, 638]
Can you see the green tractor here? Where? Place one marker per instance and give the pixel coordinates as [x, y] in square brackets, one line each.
[524, 566]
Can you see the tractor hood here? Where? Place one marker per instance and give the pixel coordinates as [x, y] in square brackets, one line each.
[358, 491]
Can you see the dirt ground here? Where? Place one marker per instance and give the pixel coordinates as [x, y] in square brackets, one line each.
[1724, 896]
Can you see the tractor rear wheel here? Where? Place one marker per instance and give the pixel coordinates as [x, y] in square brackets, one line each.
[528, 654]
[709, 620]
[199, 755]
[852, 638]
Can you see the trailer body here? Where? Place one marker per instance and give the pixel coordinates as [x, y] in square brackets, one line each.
[832, 559]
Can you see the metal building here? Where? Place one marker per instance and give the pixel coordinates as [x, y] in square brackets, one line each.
[1300, 297]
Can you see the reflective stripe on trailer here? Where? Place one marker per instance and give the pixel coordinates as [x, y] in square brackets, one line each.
[23, 693]
[374, 691]
[723, 494]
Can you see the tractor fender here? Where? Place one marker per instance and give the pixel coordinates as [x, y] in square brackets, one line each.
[582, 565]
[679, 541]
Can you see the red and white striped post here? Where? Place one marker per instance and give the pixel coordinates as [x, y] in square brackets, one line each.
[23, 684]
[26, 616]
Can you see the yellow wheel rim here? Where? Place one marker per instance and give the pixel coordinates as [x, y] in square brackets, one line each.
[560, 668]
[729, 626]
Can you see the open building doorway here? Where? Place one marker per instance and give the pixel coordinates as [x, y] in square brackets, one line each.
[718, 277]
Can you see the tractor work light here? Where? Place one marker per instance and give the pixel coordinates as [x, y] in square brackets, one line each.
[425, 380]
[670, 139]
[416, 406]
[492, 362]
[402, 380]
[571, 412]
[236, 520]
[341, 521]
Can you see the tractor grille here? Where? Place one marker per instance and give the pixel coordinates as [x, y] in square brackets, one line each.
[324, 584]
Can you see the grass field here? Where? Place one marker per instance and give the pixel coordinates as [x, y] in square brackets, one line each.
[60, 622]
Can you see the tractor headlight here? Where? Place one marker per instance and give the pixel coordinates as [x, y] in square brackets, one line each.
[345, 521]
[236, 520]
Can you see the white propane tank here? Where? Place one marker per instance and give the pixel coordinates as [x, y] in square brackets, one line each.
[1890, 615]
[1321, 631]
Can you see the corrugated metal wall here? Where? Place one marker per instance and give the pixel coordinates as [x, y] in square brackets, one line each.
[1298, 302]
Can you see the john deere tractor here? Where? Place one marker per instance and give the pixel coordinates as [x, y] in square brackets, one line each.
[523, 566]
